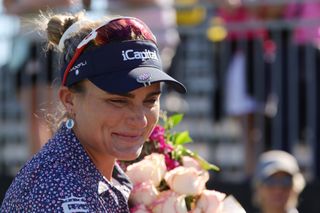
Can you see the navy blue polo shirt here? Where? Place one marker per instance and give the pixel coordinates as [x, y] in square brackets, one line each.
[62, 178]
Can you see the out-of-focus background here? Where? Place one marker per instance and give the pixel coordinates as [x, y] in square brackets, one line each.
[252, 69]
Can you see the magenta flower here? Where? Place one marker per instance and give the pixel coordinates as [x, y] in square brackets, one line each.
[157, 133]
[170, 163]
[158, 136]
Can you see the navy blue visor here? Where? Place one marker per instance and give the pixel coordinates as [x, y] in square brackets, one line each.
[121, 67]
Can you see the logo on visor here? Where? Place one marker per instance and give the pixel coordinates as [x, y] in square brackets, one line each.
[130, 54]
[144, 79]
[78, 66]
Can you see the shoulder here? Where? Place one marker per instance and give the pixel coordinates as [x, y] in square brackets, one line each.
[59, 177]
[43, 183]
[46, 193]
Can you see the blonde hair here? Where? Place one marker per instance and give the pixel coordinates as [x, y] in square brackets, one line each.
[53, 27]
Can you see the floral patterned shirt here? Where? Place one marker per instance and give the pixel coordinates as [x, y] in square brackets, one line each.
[62, 178]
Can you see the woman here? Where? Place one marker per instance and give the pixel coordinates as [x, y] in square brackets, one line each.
[110, 89]
[278, 182]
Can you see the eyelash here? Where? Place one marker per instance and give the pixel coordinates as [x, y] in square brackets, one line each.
[118, 101]
[124, 101]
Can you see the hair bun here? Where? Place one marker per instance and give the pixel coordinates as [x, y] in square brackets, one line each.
[58, 24]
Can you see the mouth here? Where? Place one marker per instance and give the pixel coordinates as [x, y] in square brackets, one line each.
[128, 137]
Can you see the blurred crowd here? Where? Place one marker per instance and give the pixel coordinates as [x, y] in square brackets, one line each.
[35, 71]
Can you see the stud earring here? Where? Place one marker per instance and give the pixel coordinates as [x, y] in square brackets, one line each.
[69, 123]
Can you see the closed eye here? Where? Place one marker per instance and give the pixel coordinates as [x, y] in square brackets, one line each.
[152, 101]
[118, 102]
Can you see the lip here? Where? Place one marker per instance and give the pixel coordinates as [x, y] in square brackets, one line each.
[129, 137]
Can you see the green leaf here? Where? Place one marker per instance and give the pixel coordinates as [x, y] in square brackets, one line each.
[174, 120]
[203, 163]
[206, 165]
[182, 138]
[178, 152]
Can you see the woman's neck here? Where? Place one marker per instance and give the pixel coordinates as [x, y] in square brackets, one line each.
[103, 163]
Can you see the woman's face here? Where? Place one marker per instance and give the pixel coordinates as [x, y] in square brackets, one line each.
[115, 126]
[276, 192]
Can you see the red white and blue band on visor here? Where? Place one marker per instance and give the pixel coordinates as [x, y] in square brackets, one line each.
[93, 35]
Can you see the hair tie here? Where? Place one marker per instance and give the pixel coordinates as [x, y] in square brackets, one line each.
[75, 27]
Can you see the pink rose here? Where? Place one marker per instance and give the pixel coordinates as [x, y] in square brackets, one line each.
[152, 167]
[188, 161]
[143, 193]
[169, 202]
[187, 181]
[140, 209]
[210, 201]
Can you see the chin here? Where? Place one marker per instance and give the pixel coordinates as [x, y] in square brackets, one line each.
[129, 156]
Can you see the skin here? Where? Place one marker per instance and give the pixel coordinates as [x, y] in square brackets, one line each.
[275, 199]
[112, 126]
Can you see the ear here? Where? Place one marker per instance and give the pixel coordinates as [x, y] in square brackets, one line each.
[67, 98]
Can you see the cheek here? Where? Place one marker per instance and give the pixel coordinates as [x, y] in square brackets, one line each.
[264, 193]
[93, 114]
[153, 118]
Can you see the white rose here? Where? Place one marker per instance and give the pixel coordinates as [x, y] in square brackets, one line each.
[169, 202]
[143, 193]
[210, 201]
[188, 181]
[152, 167]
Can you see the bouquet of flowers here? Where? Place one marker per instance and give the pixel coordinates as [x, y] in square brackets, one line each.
[169, 178]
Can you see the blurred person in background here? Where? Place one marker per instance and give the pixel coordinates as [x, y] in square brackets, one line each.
[248, 81]
[111, 77]
[277, 183]
[234, 95]
[31, 66]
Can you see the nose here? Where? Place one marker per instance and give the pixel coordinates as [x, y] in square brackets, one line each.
[138, 118]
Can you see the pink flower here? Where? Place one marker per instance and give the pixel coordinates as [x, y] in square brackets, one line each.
[152, 168]
[210, 201]
[143, 193]
[170, 163]
[140, 209]
[169, 202]
[158, 135]
[188, 162]
[187, 181]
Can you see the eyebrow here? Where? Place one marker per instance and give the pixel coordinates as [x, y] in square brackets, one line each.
[130, 95]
